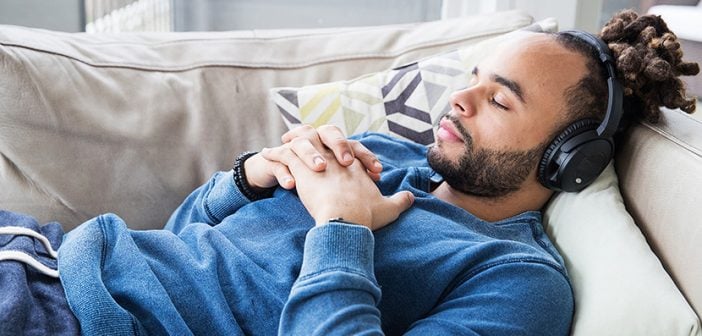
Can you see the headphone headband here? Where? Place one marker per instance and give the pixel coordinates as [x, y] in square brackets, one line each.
[615, 94]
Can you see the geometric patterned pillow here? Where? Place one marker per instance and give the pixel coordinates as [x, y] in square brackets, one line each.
[406, 101]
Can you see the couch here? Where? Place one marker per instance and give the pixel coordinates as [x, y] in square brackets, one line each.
[131, 123]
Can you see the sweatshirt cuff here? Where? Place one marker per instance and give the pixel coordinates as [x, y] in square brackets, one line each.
[224, 198]
[338, 247]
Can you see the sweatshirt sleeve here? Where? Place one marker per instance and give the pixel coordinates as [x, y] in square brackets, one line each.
[210, 203]
[336, 292]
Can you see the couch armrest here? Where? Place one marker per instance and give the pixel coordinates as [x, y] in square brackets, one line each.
[659, 170]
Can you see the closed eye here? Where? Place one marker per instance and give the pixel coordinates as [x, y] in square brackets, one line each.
[498, 105]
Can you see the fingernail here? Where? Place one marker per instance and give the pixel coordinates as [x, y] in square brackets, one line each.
[287, 180]
[347, 157]
[318, 161]
[377, 164]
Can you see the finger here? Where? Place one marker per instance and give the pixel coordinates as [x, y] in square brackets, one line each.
[283, 175]
[305, 131]
[369, 160]
[309, 154]
[333, 138]
[259, 173]
[281, 154]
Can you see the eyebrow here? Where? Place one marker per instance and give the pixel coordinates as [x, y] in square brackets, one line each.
[508, 83]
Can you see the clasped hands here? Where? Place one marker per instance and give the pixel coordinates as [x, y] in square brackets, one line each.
[335, 177]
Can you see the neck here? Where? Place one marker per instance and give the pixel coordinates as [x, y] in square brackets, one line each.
[532, 196]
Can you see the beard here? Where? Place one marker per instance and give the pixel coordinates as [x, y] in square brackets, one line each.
[484, 172]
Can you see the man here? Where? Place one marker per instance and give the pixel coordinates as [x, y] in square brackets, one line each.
[457, 247]
[456, 262]
[498, 127]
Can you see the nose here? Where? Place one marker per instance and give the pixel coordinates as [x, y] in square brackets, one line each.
[461, 102]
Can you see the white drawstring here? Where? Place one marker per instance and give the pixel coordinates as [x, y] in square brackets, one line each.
[26, 258]
[18, 230]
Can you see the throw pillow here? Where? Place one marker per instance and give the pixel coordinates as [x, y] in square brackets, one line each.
[405, 101]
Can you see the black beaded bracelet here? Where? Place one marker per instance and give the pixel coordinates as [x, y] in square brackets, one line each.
[241, 182]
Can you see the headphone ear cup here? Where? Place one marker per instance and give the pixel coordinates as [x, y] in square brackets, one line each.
[573, 159]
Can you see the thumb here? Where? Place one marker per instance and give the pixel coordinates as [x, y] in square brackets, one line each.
[397, 204]
[402, 200]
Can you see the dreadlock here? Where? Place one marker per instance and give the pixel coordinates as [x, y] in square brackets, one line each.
[648, 62]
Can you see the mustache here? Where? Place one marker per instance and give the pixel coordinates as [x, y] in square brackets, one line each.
[462, 130]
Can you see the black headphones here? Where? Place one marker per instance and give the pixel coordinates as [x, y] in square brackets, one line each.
[583, 149]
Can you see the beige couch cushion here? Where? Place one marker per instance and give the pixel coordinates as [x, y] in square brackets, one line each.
[132, 123]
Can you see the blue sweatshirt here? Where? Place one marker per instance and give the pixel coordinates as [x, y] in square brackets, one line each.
[225, 265]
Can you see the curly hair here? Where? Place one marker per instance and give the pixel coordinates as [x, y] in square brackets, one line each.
[648, 62]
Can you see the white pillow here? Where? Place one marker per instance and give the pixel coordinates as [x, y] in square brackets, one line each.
[620, 285]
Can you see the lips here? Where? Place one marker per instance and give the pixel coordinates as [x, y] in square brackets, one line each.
[447, 131]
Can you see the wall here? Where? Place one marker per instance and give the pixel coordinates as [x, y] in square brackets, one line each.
[199, 15]
[62, 15]
[580, 14]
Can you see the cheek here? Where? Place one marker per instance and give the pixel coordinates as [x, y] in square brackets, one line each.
[529, 134]
[510, 134]
[496, 132]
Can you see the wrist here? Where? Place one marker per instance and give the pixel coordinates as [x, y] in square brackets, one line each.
[251, 192]
[349, 218]
[333, 220]
[249, 165]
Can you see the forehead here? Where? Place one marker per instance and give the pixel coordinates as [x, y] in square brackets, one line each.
[538, 63]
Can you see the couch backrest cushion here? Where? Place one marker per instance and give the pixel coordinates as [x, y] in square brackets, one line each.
[131, 123]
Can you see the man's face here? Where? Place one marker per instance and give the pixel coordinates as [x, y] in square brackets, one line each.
[490, 143]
